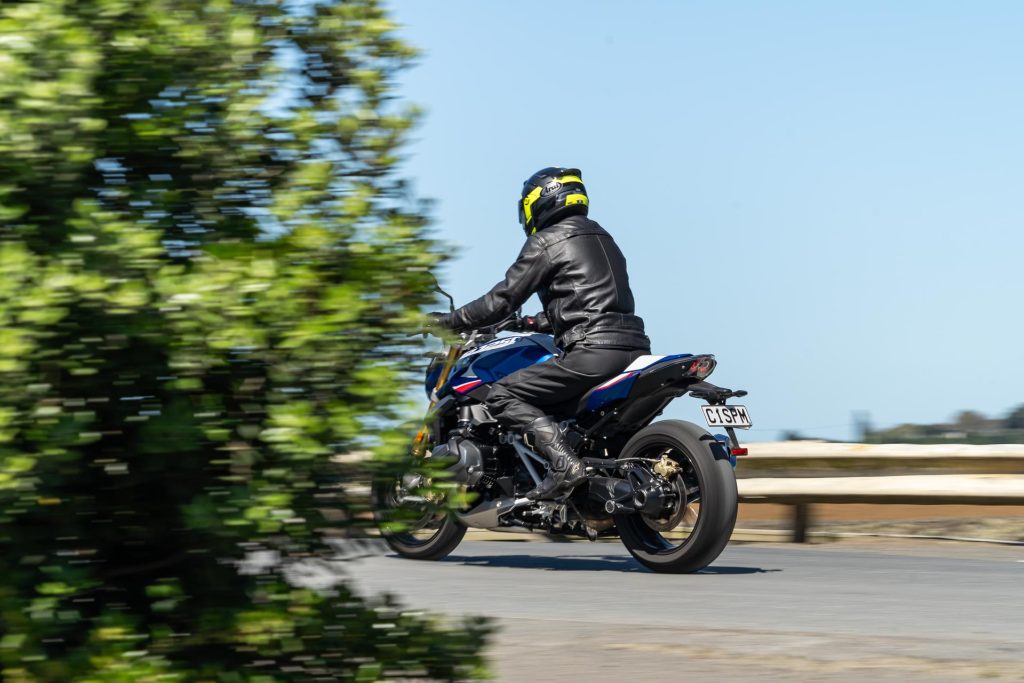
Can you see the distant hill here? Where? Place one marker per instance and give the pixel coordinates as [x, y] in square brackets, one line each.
[967, 427]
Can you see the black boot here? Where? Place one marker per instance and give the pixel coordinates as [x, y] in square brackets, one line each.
[545, 436]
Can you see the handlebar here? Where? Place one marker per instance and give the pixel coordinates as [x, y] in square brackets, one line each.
[513, 323]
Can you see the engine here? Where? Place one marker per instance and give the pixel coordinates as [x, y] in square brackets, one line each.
[463, 458]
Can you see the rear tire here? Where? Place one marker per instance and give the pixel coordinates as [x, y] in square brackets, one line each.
[709, 464]
[447, 536]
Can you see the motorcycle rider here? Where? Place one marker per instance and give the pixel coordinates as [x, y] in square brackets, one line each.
[577, 270]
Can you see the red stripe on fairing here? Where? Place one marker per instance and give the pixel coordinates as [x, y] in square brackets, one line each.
[615, 380]
[463, 388]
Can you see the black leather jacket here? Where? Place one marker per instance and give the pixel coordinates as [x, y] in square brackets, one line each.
[580, 276]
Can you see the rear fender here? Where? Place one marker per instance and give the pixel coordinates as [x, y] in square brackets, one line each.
[716, 448]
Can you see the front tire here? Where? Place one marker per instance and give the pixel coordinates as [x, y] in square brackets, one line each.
[425, 534]
[707, 476]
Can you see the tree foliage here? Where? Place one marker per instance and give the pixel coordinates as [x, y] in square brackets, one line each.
[207, 269]
[1015, 420]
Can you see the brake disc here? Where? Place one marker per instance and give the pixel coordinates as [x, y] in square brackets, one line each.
[669, 470]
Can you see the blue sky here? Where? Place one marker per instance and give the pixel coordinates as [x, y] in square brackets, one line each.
[827, 196]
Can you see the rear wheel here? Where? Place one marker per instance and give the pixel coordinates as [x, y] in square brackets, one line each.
[695, 530]
[416, 527]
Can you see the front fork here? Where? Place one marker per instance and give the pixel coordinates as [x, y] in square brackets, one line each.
[419, 444]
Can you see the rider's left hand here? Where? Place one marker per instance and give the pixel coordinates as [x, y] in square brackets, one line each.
[441, 320]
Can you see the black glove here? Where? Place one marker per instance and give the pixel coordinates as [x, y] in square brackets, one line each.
[442, 320]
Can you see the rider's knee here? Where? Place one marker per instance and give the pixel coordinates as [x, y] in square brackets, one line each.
[498, 397]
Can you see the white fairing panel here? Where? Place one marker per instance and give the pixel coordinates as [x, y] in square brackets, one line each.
[642, 362]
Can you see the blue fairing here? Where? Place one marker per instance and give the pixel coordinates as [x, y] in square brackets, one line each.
[611, 393]
[503, 356]
[496, 359]
[433, 373]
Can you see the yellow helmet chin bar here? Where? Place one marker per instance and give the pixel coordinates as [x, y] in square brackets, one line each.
[535, 193]
[528, 201]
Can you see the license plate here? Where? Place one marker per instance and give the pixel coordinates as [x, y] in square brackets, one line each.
[726, 416]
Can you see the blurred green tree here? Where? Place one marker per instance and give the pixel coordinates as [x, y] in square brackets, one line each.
[1015, 420]
[207, 267]
[970, 421]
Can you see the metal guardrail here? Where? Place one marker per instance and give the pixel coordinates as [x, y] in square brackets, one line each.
[815, 458]
[804, 473]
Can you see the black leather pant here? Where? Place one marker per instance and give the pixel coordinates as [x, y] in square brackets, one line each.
[522, 397]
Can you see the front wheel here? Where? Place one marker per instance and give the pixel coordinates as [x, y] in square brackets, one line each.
[693, 533]
[413, 526]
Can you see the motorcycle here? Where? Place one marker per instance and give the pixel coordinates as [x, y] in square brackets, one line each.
[667, 489]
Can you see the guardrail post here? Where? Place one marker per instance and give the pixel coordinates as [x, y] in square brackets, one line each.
[801, 520]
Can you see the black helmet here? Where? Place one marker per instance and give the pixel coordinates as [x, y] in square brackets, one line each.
[550, 195]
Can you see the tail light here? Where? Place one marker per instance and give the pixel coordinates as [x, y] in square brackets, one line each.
[739, 451]
[702, 367]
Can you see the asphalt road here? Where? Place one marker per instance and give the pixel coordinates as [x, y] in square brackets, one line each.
[761, 612]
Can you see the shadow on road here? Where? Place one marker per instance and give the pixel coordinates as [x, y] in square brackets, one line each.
[736, 570]
[600, 563]
[614, 563]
